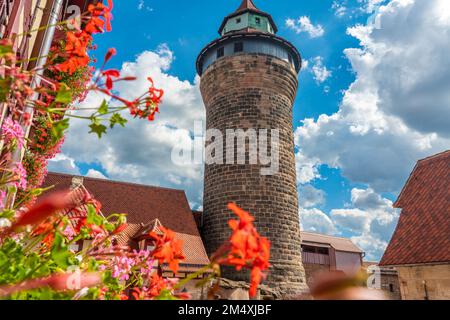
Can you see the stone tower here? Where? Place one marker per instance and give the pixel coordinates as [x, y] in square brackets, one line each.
[249, 81]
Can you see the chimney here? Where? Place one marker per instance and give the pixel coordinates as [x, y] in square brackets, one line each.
[76, 182]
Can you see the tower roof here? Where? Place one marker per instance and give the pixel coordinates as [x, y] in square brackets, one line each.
[248, 6]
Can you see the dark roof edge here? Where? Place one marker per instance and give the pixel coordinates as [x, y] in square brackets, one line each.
[419, 163]
[436, 156]
[115, 182]
[414, 264]
[249, 35]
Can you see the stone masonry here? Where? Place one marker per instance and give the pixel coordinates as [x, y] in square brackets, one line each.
[255, 91]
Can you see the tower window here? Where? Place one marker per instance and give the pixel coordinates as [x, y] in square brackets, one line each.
[238, 20]
[238, 47]
[258, 20]
[220, 52]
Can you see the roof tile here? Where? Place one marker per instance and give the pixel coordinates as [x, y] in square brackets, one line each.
[423, 231]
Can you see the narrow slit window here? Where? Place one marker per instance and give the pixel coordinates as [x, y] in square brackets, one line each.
[220, 52]
[238, 47]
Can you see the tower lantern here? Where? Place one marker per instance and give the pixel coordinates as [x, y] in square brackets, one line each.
[248, 17]
[248, 84]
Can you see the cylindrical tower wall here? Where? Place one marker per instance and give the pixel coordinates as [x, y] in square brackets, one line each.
[255, 91]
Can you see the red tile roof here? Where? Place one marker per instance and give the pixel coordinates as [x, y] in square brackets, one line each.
[142, 204]
[193, 248]
[423, 231]
[147, 208]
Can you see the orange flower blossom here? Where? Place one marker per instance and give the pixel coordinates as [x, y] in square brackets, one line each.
[168, 249]
[156, 287]
[246, 248]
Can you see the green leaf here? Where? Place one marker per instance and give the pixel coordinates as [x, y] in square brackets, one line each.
[99, 129]
[58, 129]
[109, 227]
[117, 119]
[7, 214]
[5, 50]
[64, 94]
[93, 217]
[165, 295]
[5, 88]
[104, 108]
[60, 252]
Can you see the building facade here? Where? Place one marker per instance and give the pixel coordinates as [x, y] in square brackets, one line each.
[419, 248]
[18, 17]
[148, 208]
[323, 253]
[249, 82]
[383, 278]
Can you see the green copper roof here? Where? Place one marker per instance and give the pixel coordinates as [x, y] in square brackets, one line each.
[248, 18]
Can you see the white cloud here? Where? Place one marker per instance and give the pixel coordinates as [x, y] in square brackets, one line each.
[95, 174]
[314, 220]
[319, 70]
[371, 219]
[372, 246]
[372, 5]
[340, 10]
[351, 8]
[397, 110]
[142, 151]
[63, 163]
[142, 6]
[353, 220]
[304, 24]
[307, 169]
[310, 197]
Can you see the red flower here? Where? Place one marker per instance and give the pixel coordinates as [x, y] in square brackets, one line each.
[78, 42]
[109, 74]
[156, 287]
[120, 229]
[48, 240]
[81, 223]
[71, 65]
[96, 229]
[111, 52]
[94, 25]
[89, 200]
[100, 10]
[246, 248]
[43, 228]
[168, 249]
[155, 95]
[43, 209]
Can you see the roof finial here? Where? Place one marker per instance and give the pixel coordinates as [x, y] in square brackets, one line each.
[247, 4]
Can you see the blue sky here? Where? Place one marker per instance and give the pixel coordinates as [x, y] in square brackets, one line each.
[357, 138]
